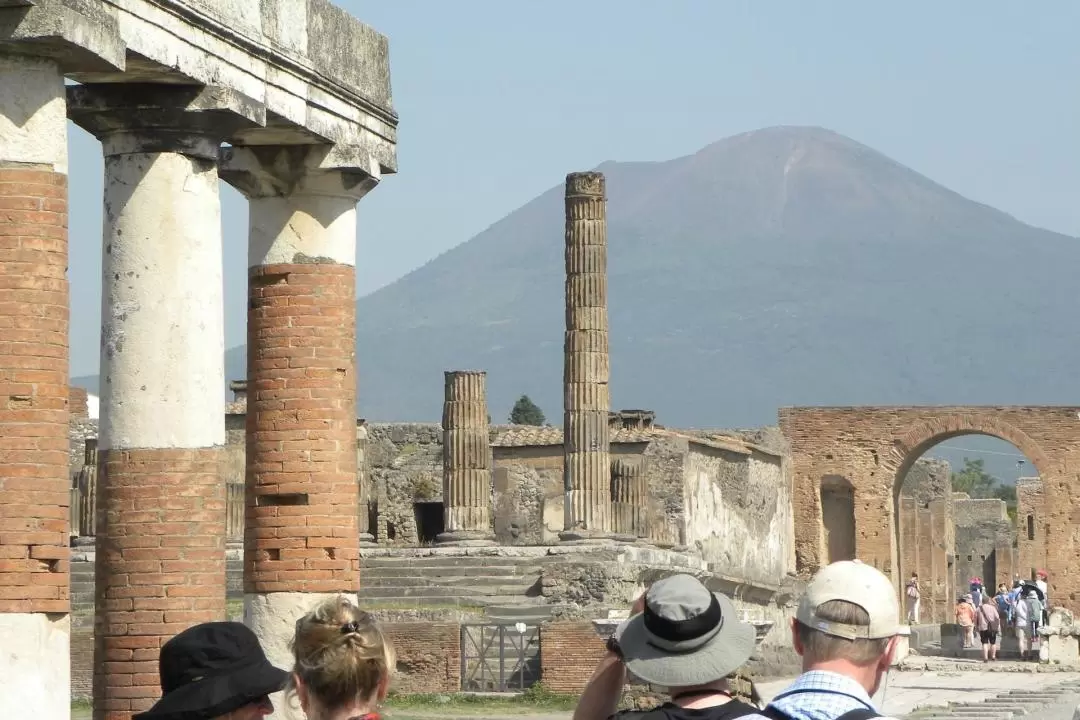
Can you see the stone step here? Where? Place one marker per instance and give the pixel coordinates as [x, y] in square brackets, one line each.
[451, 570]
[980, 710]
[524, 583]
[433, 561]
[519, 611]
[437, 591]
[422, 601]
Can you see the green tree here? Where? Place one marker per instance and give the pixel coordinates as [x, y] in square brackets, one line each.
[526, 412]
[974, 480]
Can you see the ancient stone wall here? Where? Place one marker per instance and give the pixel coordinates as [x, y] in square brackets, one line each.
[428, 656]
[925, 498]
[404, 466]
[738, 512]
[873, 446]
[1031, 527]
[665, 466]
[982, 526]
[569, 652]
[528, 492]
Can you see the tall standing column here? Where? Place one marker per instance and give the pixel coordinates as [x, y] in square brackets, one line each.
[161, 498]
[34, 497]
[466, 460]
[586, 398]
[301, 536]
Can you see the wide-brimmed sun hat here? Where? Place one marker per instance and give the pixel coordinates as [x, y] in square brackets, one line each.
[210, 670]
[686, 635]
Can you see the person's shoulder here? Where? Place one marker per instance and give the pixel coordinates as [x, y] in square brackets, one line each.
[667, 711]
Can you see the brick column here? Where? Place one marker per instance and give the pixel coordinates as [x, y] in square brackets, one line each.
[466, 460]
[301, 536]
[34, 495]
[161, 496]
[587, 464]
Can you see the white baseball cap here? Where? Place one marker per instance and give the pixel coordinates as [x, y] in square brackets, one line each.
[859, 584]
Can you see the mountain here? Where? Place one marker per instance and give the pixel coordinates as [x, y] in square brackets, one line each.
[784, 266]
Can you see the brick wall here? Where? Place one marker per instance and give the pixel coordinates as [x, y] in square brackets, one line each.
[301, 504]
[428, 656]
[1031, 527]
[34, 494]
[569, 652]
[872, 446]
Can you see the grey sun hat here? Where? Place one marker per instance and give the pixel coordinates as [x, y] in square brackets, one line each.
[686, 636]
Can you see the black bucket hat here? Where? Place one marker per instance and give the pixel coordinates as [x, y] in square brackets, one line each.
[210, 670]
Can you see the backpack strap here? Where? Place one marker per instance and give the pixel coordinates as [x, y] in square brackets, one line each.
[774, 713]
[859, 714]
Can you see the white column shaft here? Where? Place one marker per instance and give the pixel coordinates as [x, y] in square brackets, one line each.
[302, 228]
[162, 345]
[33, 112]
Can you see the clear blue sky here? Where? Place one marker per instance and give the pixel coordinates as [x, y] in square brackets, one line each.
[499, 100]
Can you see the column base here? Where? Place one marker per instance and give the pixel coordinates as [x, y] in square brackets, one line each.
[587, 537]
[462, 538]
[35, 664]
[368, 540]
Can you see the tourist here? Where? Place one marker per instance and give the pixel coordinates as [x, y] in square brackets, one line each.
[965, 618]
[912, 598]
[1004, 605]
[1022, 625]
[1035, 614]
[214, 671]
[680, 637]
[846, 631]
[1044, 588]
[342, 663]
[976, 588]
[988, 622]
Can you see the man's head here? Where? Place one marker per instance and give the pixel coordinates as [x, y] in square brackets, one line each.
[848, 622]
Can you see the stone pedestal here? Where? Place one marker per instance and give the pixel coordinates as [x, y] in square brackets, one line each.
[161, 510]
[34, 484]
[301, 540]
[586, 440]
[466, 460]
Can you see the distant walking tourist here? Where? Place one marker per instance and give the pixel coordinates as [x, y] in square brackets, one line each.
[1041, 582]
[965, 618]
[1035, 614]
[1004, 604]
[846, 631]
[342, 663]
[1022, 626]
[988, 622]
[681, 637]
[215, 671]
[912, 598]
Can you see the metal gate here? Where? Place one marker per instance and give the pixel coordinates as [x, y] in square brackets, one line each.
[499, 657]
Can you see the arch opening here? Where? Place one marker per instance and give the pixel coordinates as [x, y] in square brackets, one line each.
[961, 501]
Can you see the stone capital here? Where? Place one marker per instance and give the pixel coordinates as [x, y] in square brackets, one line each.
[263, 171]
[77, 35]
[153, 118]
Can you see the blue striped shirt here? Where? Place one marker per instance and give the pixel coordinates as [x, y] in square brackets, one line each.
[821, 695]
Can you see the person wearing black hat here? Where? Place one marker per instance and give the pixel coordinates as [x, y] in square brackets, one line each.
[215, 670]
[680, 637]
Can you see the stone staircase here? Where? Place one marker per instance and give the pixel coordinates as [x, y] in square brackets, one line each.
[504, 587]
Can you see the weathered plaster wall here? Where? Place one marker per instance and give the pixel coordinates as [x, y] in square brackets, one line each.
[738, 512]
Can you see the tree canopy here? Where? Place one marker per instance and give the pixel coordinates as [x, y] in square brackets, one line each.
[526, 412]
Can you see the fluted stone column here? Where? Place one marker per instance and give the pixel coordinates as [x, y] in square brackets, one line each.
[586, 401]
[466, 460]
[161, 496]
[363, 483]
[301, 421]
[629, 499]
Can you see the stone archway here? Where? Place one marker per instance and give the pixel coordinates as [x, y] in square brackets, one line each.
[872, 447]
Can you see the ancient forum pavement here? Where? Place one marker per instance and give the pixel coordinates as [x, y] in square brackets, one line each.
[290, 103]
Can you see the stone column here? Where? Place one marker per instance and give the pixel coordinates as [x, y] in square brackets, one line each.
[161, 498]
[586, 398]
[301, 538]
[466, 460]
[34, 494]
[629, 500]
[363, 515]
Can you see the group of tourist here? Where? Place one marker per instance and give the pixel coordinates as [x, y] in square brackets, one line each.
[1024, 608]
[680, 636]
[218, 671]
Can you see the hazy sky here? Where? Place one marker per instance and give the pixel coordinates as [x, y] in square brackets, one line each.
[499, 100]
